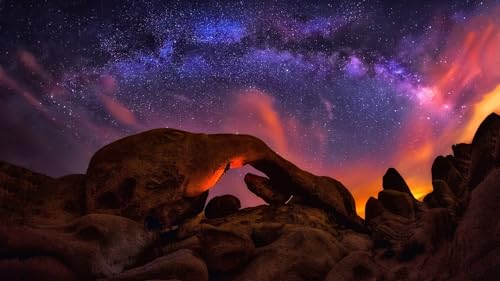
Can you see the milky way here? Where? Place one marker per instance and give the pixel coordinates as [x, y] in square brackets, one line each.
[342, 88]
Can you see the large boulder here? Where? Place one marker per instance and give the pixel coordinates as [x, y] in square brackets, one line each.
[262, 187]
[396, 202]
[392, 180]
[29, 197]
[298, 254]
[373, 209]
[222, 206]
[225, 250]
[182, 265]
[444, 169]
[253, 220]
[357, 266]
[96, 245]
[484, 154]
[162, 176]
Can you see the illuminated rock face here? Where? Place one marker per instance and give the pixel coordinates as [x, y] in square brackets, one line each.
[163, 175]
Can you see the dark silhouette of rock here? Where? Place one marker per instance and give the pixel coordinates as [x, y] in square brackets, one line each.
[373, 209]
[298, 254]
[398, 203]
[262, 187]
[251, 220]
[182, 265]
[392, 180]
[443, 169]
[461, 157]
[222, 206]
[357, 266]
[442, 196]
[225, 250]
[43, 268]
[28, 197]
[484, 154]
[97, 245]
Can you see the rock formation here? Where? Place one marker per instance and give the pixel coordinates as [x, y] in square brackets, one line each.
[137, 214]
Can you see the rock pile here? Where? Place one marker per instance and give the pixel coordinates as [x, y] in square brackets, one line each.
[137, 214]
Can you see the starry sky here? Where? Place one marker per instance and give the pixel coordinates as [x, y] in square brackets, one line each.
[341, 88]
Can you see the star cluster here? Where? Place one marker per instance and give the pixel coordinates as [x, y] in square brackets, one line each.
[342, 88]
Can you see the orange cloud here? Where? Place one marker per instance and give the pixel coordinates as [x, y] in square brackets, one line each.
[120, 112]
[470, 76]
[253, 113]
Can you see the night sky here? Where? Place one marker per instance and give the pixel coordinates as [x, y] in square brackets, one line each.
[341, 88]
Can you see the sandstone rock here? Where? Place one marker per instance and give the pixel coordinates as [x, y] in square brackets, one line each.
[399, 203]
[391, 233]
[150, 175]
[436, 226]
[461, 157]
[392, 180]
[161, 177]
[18, 192]
[484, 149]
[443, 196]
[192, 243]
[182, 265]
[475, 251]
[225, 250]
[468, 250]
[248, 219]
[354, 241]
[96, 245]
[373, 208]
[298, 254]
[222, 206]
[266, 233]
[45, 269]
[357, 266]
[261, 187]
[28, 197]
[443, 169]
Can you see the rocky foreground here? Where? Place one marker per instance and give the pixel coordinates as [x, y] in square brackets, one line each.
[137, 214]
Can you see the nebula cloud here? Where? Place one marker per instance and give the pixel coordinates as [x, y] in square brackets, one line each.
[344, 90]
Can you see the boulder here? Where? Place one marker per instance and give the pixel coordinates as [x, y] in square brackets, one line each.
[392, 235]
[300, 253]
[461, 157]
[373, 209]
[18, 192]
[484, 150]
[44, 268]
[96, 245]
[162, 176]
[357, 266]
[29, 197]
[398, 203]
[392, 180]
[183, 265]
[261, 187]
[222, 206]
[250, 220]
[443, 169]
[225, 250]
[144, 177]
[442, 196]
